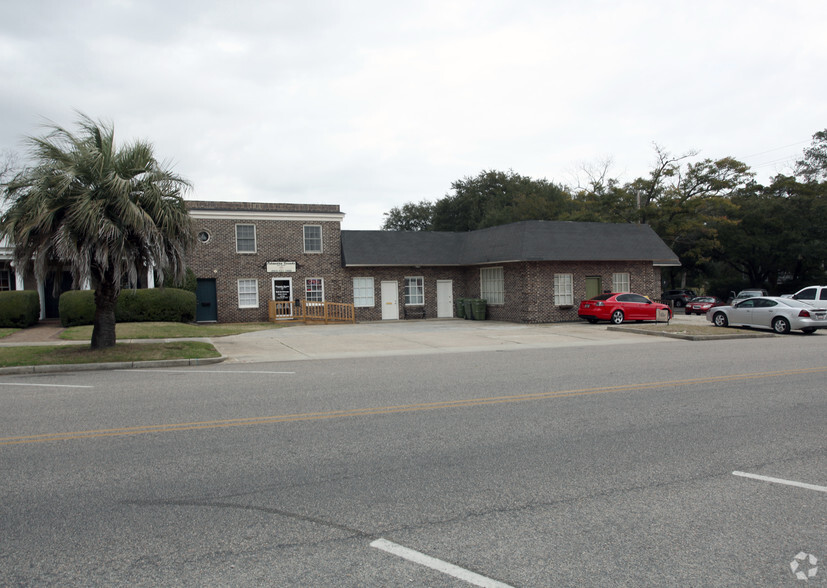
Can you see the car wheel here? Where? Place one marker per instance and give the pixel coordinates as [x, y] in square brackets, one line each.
[720, 320]
[808, 330]
[617, 317]
[592, 320]
[687, 311]
[781, 325]
[679, 303]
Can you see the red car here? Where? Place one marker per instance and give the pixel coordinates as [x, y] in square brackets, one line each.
[621, 306]
[701, 304]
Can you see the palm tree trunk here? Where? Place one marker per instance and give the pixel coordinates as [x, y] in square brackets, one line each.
[103, 330]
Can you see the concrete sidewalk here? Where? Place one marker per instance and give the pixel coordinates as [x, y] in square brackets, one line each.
[388, 338]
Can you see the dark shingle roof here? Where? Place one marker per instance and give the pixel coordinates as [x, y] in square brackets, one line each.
[523, 241]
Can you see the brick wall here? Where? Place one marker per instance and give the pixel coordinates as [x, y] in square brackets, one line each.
[276, 240]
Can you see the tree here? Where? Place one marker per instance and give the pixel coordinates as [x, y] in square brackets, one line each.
[813, 167]
[411, 217]
[497, 198]
[104, 213]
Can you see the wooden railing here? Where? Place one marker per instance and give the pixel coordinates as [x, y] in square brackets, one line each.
[326, 312]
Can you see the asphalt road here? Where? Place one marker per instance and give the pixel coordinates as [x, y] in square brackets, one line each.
[575, 466]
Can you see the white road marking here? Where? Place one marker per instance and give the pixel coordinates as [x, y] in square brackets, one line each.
[190, 371]
[44, 385]
[781, 481]
[437, 564]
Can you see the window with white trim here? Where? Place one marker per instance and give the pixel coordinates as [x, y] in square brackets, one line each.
[312, 238]
[363, 292]
[415, 290]
[248, 293]
[245, 238]
[314, 290]
[563, 290]
[621, 282]
[492, 285]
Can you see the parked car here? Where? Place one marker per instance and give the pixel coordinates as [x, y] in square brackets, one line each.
[771, 312]
[700, 304]
[744, 294]
[811, 293]
[679, 297]
[617, 307]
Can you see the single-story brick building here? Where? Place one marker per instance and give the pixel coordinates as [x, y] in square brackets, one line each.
[531, 271]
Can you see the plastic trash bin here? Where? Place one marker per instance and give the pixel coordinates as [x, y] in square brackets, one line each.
[460, 304]
[478, 307]
[466, 304]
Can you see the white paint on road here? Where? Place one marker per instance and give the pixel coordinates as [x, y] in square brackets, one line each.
[437, 564]
[190, 371]
[781, 481]
[44, 385]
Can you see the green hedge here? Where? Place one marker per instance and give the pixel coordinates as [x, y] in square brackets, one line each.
[19, 308]
[77, 307]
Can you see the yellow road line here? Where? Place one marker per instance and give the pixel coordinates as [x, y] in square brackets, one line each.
[381, 410]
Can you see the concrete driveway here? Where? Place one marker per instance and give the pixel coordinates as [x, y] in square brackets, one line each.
[389, 338]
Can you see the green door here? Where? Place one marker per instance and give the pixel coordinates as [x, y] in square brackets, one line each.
[594, 286]
[206, 305]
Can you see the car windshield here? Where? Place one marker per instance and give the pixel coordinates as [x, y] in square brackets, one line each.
[703, 299]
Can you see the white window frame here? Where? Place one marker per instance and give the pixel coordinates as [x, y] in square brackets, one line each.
[255, 242]
[363, 293]
[563, 290]
[313, 239]
[414, 291]
[621, 282]
[314, 295]
[246, 287]
[492, 285]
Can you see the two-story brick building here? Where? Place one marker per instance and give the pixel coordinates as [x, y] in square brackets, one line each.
[531, 271]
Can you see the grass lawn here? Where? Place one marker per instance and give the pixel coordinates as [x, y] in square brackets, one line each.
[70, 354]
[167, 330]
[7, 332]
[685, 329]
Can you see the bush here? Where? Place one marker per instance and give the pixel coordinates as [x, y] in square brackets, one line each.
[77, 307]
[19, 308]
[156, 304]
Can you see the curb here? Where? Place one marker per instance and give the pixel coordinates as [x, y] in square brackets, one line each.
[115, 365]
[686, 337]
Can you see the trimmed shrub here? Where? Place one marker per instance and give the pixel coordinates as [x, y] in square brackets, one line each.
[19, 308]
[156, 304]
[77, 307]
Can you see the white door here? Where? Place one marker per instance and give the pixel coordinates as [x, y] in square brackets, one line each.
[390, 301]
[444, 299]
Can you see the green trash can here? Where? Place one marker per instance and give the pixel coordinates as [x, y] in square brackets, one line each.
[467, 310]
[460, 304]
[478, 306]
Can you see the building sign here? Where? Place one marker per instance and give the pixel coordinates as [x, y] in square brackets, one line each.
[281, 266]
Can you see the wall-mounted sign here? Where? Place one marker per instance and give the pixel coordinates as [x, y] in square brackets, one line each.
[281, 266]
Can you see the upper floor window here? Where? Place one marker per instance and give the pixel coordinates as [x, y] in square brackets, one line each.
[312, 238]
[415, 290]
[245, 238]
[492, 285]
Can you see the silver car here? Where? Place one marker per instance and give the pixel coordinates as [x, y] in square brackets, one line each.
[770, 312]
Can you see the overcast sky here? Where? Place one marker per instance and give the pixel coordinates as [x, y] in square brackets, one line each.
[371, 104]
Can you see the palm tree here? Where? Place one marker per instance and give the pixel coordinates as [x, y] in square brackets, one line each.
[106, 214]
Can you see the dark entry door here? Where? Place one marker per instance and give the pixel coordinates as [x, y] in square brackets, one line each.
[206, 309]
[51, 300]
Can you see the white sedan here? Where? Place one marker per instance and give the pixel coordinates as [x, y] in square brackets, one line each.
[782, 315]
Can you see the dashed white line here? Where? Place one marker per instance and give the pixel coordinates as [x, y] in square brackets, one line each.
[437, 564]
[781, 481]
[44, 385]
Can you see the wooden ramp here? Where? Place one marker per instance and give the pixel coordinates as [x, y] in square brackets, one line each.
[311, 312]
